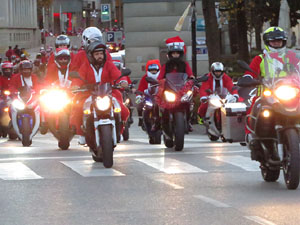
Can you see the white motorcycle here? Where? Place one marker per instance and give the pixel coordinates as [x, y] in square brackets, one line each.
[25, 115]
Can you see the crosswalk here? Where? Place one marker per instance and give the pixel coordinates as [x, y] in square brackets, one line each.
[160, 164]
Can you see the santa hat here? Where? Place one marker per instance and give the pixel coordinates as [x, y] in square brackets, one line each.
[176, 41]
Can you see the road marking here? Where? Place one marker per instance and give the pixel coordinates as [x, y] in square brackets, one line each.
[3, 141]
[175, 186]
[89, 168]
[124, 155]
[239, 161]
[212, 201]
[259, 220]
[170, 166]
[17, 171]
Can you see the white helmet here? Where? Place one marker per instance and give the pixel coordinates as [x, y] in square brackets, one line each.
[90, 35]
[217, 67]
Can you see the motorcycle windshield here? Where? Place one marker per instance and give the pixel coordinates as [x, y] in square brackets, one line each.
[222, 92]
[103, 89]
[279, 67]
[176, 81]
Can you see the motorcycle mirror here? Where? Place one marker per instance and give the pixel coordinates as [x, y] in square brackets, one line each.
[248, 82]
[245, 66]
[151, 80]
[125, 72]
[202, 78]
[134, 81]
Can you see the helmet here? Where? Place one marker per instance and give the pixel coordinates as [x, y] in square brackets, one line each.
[38, 56]
[175, 44]
[90, 35]
[62, 40]
[13, 57]
[62, 53]
[7, 69]
[25, 64]
[37, 62]
[95, 46]
[153, 67]
[75, 47]
[274, 33]
[23, 57]
[217, 67]
[42, 48]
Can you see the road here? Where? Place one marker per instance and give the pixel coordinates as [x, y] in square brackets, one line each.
[207, 183]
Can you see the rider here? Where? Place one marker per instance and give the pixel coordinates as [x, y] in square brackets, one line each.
[217, 78]
[96, 70]
[153, 69]
[7, 72]
[24, 78]
[275, 43]
[176, 62]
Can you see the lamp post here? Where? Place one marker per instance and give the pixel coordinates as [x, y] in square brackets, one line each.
[194, 52]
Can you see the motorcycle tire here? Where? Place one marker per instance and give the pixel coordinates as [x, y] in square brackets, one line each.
[26, 130]
[179, 131]
[291, 165]
[157, 137]
[269, 175]
[168, 143]
[43, 130]
[126, 132]
[64, 132]
[118, 127]
[107, 145]
[12, 136]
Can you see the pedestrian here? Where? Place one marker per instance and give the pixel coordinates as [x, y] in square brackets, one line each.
[9, 53]
[293, 40]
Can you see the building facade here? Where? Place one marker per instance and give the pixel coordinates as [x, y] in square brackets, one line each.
[148, 23]
[18, 19]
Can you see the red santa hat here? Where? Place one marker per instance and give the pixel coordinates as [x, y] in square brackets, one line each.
[176, 41]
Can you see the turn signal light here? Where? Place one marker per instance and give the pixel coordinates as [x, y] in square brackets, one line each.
[267, 93]
[266, 113]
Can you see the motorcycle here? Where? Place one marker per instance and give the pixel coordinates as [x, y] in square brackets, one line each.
[5, 121]
[274, 121]
[150, 112]
[56, 106]
[217, 101]
[25, 115]
[98, 121]
[174, 98]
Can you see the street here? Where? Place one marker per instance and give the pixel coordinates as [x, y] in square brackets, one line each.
[207, 183]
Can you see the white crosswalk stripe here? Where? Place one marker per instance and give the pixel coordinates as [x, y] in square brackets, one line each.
[240, 161]
[17, 171]
[170, 166]
[88, 168]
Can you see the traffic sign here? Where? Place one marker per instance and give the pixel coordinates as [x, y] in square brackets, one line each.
[110, 36]
[105, 13]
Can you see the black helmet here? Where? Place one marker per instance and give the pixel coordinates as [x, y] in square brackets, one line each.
[175, 47]
[95, 46]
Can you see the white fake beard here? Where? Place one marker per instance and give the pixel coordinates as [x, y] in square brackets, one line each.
[154, 76]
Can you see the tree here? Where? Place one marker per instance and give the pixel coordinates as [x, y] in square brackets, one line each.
[212, 32]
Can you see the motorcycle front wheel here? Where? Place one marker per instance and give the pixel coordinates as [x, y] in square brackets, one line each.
[26, 130]
[179, 130]
[126, 132]
[64, 132]
[106, 145]
[291, 164]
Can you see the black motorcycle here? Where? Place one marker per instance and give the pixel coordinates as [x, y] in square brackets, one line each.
[274, 121]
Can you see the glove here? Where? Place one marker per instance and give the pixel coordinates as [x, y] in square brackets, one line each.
[236, 98]
[203, 100]
[138, 99]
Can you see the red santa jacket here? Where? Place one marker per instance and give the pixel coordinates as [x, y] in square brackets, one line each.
[188, 71]
[16, 83]
[81, 58]
[4, 82]
[225, 82]
[109, 74]
[52, 75]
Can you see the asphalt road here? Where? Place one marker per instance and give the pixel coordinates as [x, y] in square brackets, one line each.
[207, 183]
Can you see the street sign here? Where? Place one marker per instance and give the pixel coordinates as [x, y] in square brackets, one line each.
[200, 25]
[110, 36]
[105, 13]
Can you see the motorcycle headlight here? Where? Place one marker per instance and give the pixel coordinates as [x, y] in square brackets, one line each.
[170, 96]
[216, 102]
[103, 103]
[55, 100]
[286, 93]
[6, 92]
[18, 104]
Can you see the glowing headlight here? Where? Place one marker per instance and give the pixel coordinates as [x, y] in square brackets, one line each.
[103, 103]
[148, 103]
[6, 92]
[18, 104]
[267, 93]
[55, 100]
[286, 93]
[170, 96]
[127, 101]
[216, 102]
